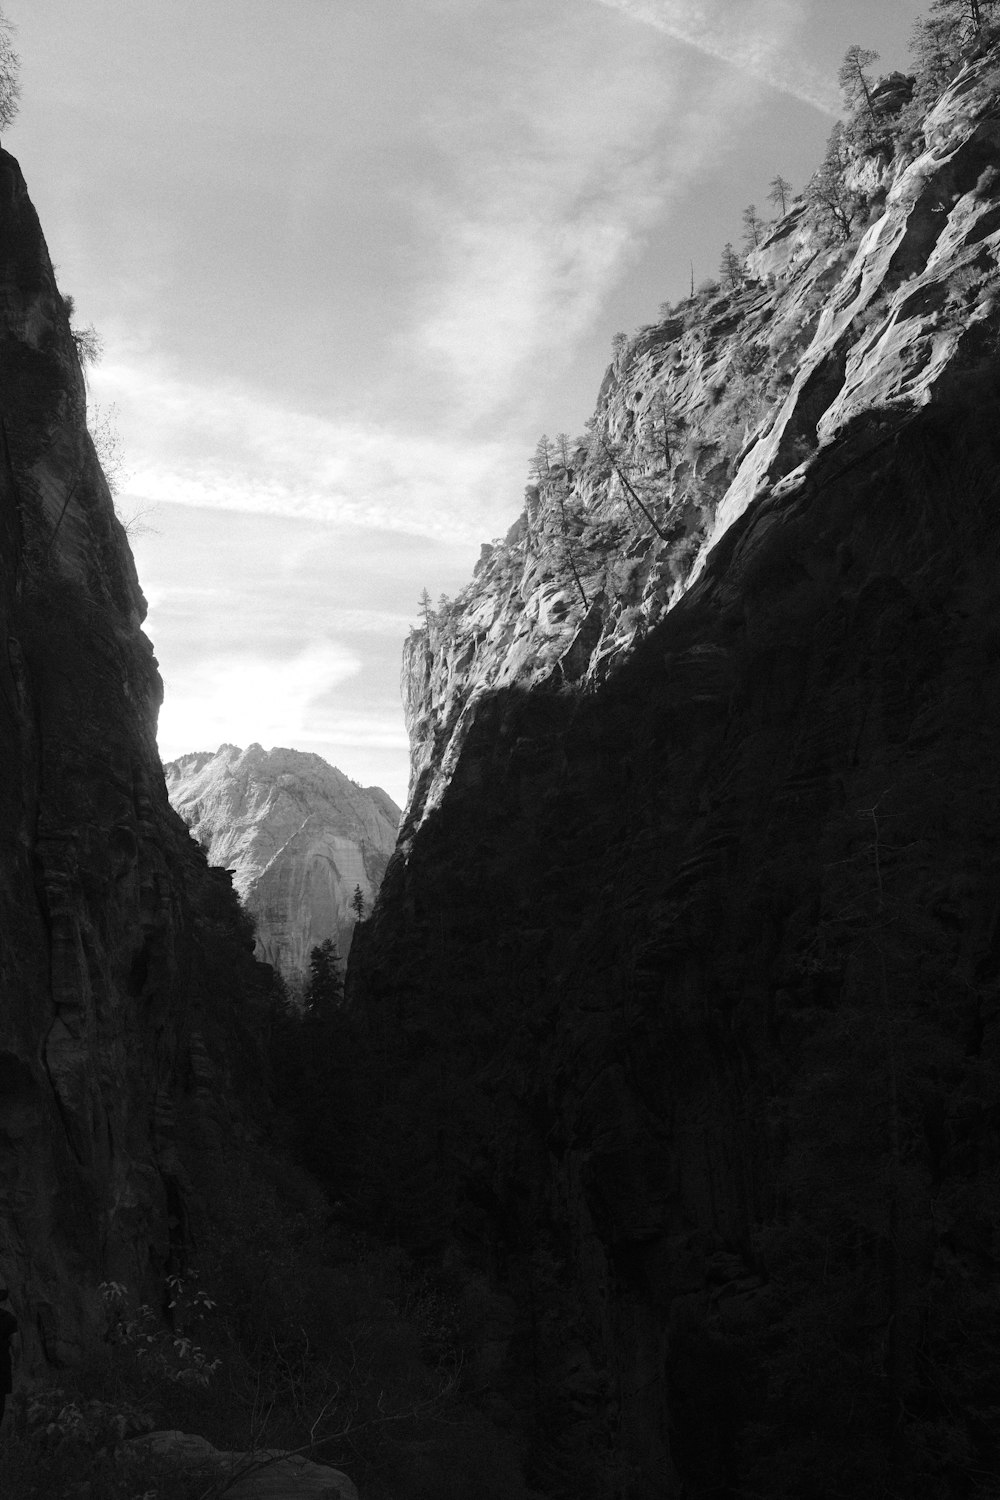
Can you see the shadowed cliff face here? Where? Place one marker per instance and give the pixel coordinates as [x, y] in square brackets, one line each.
[114, 935]
[683, 983]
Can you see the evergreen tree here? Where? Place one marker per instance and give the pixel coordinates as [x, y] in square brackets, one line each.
[664, 426]
[541, 463]
[753, 226]
[325, 986]
[857, 86]
[358, 904]
[781, 191]
[969, 17]
[939, 40]
[731, 267]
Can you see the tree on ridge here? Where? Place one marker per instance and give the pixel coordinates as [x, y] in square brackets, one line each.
[856, 84]
[10, 67]
[781, 191]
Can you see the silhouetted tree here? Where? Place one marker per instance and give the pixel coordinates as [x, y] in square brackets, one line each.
[89, 345]
[325, 987]
[781, 190]
[358, 904]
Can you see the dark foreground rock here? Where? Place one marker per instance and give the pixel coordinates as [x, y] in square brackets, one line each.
[120, 951]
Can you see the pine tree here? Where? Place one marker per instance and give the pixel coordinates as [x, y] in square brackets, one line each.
[358, 904]
[970, 17]
[609, 456]
[664, 426]
[426, 613]
[753, 226]
[541, 462]
[781, 191]
[562, 449]
[325, 986]
[939, 39]
[731, 267]
[857, 85]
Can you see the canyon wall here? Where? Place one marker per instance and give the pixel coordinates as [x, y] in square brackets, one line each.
[299, 836]
[121, 953]
[682, 986]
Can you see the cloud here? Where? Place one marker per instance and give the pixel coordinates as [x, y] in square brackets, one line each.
[558, 176]
[228, 448]
[754, 38]
[549, 184]
[242, 697]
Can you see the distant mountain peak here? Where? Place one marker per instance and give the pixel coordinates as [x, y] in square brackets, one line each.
[298, 834]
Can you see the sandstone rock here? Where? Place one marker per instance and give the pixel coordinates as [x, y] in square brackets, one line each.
[267, 1474]
[298, 835]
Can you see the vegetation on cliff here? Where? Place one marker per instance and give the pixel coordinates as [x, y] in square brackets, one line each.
[683, 986]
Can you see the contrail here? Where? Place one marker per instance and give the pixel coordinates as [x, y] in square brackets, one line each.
[754, 43]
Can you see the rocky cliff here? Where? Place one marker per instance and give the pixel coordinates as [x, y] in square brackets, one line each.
[299, 837]
[683, 984]
[120, 950]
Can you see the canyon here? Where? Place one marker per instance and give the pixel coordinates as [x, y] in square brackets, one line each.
[660, 1119]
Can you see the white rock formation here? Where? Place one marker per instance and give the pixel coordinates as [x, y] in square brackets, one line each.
[298, 835]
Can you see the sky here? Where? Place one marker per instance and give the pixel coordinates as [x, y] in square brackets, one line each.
[349, 258]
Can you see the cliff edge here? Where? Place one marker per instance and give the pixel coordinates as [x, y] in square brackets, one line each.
[120, 951]
[683, 983]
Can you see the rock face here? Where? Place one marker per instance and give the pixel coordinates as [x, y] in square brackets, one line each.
[268, 1474]
[118, 946]
[825, 347]
[298, 835]
[683, 983]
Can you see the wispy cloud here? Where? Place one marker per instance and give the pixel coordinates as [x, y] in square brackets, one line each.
[755, 37]
[227, 448]
[550, 185]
